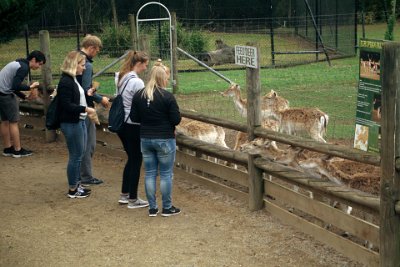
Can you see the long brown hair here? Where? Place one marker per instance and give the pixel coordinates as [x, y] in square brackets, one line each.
[131, 60]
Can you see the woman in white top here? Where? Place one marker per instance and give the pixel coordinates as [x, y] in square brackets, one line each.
[129, 83]
[72, 109]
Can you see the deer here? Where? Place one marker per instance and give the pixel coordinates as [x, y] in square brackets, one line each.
[241, 103]
[202, 131]
[241, 139]
[311, 121]
[241, 106]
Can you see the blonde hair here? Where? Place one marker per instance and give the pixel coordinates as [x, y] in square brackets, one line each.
[131, 60]
[71, 62]
[91, 40]
[158, 75]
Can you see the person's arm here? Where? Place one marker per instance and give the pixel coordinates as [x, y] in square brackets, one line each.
[19, 77]
[174, 114]
[86, 84]
[134, 114]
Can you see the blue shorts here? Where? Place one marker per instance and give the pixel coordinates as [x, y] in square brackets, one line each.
[9, 108]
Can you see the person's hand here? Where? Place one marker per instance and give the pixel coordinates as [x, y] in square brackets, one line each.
[105, 102]
[91, 91]
[90, 110]
[34, 93]
[34, 85]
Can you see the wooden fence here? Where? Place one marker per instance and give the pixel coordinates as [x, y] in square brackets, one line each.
[294, 208]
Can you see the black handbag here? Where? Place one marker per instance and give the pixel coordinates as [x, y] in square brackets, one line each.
[52, 115]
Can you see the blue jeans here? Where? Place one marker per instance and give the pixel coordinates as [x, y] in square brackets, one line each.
[158, 154]
[76, 137]
[86, 165]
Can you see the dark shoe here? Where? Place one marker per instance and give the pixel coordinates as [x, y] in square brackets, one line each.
[170, 212]
[77, 193]
[8, 152]
[21, 153]
[92, 181]
[153, 212]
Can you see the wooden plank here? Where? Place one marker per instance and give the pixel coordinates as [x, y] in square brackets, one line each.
[355, 198]
[328, 214]
[218, 170]
[344, 246]
[390, 151]
[212, 150]
[212, 185]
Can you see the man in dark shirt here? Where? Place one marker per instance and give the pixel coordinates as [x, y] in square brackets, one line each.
[11, 85]
[90, 46]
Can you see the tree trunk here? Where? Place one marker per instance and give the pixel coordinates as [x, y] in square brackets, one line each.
[114, 11]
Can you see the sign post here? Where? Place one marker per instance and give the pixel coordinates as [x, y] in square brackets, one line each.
[249, 56]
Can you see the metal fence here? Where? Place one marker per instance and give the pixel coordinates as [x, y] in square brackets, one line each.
[206, 98]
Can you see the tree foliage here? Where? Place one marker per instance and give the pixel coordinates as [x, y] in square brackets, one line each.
[15, 14]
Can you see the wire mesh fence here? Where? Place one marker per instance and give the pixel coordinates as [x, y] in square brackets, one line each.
[200, 89]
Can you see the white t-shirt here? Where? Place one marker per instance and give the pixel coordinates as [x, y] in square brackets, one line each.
[82, 100]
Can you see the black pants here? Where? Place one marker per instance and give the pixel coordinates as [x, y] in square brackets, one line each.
[130, 138]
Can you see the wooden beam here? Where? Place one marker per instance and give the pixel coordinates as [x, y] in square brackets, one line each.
[323, 211]
[347, 247]
[390, 151]
[212, 168]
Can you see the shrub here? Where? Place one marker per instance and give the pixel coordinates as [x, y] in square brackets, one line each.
[192, 41]
[115, 41]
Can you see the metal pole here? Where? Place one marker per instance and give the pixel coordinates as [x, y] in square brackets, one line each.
[27, 50]
[110, 65]
[204, 65]
[316, 30]
[271, 31]
[78, 45]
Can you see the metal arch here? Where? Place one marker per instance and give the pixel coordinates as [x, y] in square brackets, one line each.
[159, 19]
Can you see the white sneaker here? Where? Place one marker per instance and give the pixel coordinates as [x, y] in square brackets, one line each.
[138, 203]
[123, 199]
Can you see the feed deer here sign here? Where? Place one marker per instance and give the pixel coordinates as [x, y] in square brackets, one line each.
[246, 56]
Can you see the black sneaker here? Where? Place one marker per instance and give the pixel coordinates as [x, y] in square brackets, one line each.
[153, 212]
[77, 193]
[93, 181]
[170, 212]
[21, 153]
[8, 152]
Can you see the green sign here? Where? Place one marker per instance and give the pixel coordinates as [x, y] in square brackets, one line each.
[368, 113]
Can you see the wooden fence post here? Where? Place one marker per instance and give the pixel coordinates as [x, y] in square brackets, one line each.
[390, 155]
[174, 60]
[132, 21]
[256, 182]
[47, 77]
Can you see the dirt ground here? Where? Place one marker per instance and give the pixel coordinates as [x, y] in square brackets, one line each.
[40, 226]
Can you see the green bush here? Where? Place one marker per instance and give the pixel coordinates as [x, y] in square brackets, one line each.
[115, 41]
[192, 41]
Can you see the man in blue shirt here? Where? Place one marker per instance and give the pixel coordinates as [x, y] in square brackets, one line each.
[90, 46]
